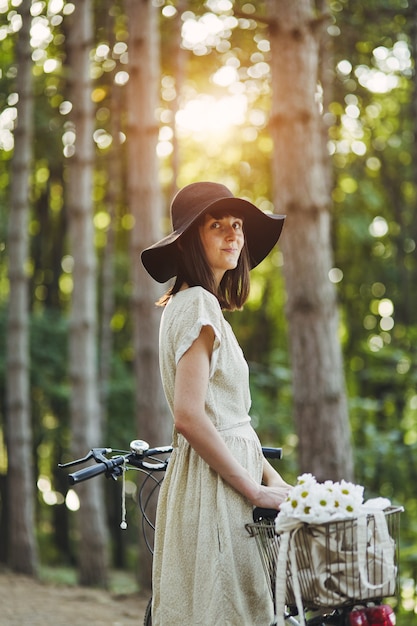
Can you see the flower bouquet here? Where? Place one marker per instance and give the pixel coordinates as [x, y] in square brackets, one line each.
[314, 503]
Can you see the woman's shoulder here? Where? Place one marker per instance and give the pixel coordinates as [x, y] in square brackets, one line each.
[186, 313]
[193, 304]
[196, 295]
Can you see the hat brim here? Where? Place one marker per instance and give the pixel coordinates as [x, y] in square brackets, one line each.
[262, 231]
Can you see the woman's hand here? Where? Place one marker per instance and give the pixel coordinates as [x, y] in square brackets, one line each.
[271, 497]
[275, 487]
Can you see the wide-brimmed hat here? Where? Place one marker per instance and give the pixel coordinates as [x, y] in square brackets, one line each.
[261, 230]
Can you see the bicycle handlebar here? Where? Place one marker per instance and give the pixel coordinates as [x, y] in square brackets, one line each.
[272, 453]
[86, 473]
[139, 451]
[112, 467]
[94, 470]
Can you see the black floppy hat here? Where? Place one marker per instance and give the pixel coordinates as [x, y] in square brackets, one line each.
[262, 230]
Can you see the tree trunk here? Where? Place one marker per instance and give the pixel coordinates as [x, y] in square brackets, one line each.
[85, 409]
[145, 204]
[114, 171]
[179, 77]
[21, 481]
[302, 192]
[408, 282]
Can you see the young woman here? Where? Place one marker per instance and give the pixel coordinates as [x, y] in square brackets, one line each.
[207, 571]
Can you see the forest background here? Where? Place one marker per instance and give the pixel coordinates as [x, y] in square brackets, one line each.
[91, 135]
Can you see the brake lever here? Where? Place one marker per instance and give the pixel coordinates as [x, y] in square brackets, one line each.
[95, 453]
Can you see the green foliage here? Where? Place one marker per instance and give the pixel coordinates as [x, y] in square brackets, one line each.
[375, 237]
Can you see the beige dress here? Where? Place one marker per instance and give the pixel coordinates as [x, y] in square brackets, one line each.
[207, 571]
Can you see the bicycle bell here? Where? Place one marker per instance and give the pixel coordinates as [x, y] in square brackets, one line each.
[138, 446]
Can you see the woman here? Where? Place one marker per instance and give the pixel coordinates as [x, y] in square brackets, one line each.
[206, 568]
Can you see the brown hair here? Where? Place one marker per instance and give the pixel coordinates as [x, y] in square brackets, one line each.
[194, 270]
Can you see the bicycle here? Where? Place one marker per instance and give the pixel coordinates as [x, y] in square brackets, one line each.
[152, 463]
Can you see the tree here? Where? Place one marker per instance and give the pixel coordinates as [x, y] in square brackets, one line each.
[85, 407]
[300, 175]
[22, 544]
[145, 203]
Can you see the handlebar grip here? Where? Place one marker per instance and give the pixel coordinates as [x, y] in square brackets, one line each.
[272, 453]
[86, 473]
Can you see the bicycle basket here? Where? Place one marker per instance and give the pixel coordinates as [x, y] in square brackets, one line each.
[326, 557]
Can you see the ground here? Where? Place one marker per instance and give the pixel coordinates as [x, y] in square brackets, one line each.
[27, 602]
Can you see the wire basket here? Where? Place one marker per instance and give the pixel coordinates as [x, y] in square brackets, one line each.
[326, 557]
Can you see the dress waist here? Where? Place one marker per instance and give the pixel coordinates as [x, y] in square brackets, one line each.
[235, 425]
[220, 429]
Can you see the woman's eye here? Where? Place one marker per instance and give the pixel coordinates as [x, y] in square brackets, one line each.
[218, 225]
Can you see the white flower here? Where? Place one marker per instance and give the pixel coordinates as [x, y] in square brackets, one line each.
[306, 479]
[351, 497]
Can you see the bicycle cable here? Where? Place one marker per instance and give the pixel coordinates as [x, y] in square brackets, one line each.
[123, 523]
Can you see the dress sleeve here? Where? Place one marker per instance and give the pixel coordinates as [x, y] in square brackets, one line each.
[202, 309]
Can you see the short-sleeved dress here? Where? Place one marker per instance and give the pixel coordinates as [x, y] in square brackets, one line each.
[207, 571]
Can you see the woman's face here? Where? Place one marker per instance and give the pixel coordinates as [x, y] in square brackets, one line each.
[222, 239]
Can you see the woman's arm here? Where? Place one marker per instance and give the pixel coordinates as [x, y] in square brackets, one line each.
[272, 478]
[191, 420]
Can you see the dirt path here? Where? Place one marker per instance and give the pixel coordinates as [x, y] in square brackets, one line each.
[26, 602]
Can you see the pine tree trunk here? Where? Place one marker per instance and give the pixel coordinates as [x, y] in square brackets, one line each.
[302, 192]
[85, 409]
[113, 164]
[145, 204]
[410, 231]
[179, 67]
[21, 481]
